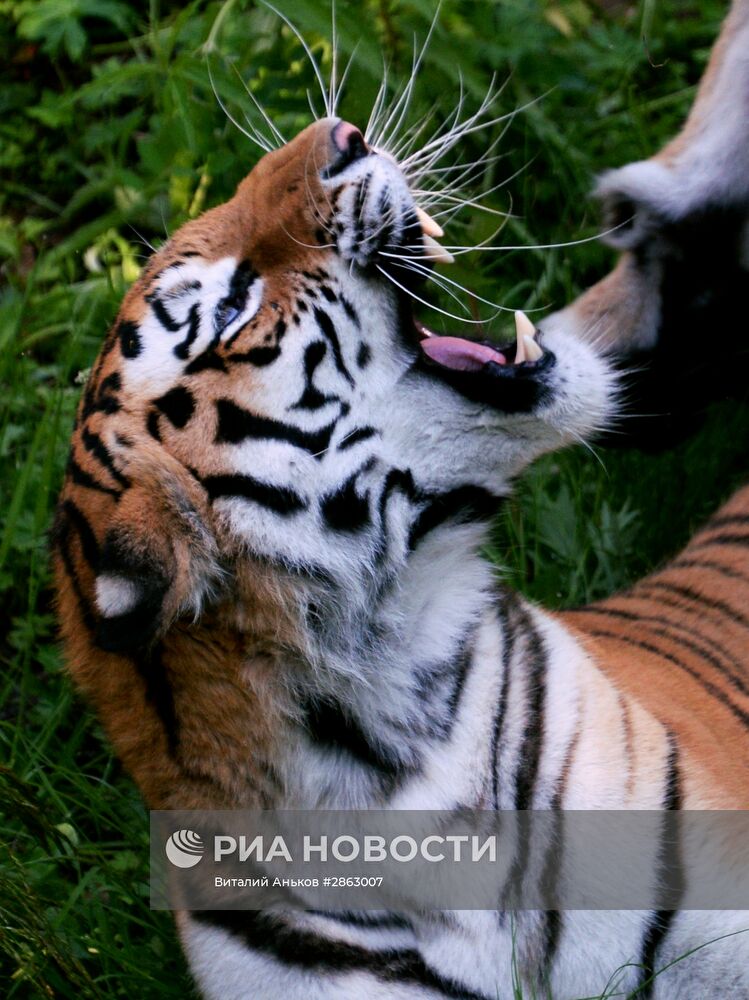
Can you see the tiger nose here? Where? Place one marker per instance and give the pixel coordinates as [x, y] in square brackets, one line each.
[349, 141]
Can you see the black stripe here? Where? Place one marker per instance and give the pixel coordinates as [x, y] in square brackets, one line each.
[70, 516]
[236, 425]
[153, 671]
[312, 398]
[207, 360]
[162, 314]
[93, 443]
[152, 425]
[732, 574]
[130, 340]
[280, 499]
[465, 660]
[332, 726]
[361, 197]
[305, 950]
[535, 660]
[258, 356]
[716, 692]
[465, 503]
[507, 629]
[400, 481]
[669, 875]
[439, 688]
[689, 594]
[325, 323]
[134, 630]
[231, 305]
[177, 405]
[693, 646]
[81, 478]
[725, 520]
[552, 864]
[354, 437]
[345, 510]
[182, 350]
[727, 538]
[101, 398]
[86, 536]
[350, 311]
[363, 355]
[530, 752]
[366, 919]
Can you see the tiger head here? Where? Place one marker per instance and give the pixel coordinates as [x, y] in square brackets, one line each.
[268, 378]
[680, 223]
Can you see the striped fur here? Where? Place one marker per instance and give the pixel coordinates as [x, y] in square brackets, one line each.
[271, 586]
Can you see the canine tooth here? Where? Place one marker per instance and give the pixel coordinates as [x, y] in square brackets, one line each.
[428, 225]
[520, 348]
[532, 351]
[523, 326]
[435, 252]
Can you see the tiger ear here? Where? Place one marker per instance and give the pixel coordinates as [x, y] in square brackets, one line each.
[159, 558]
[636, 200]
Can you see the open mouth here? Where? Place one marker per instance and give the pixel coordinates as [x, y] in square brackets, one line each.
[523, 355]
[511, 377]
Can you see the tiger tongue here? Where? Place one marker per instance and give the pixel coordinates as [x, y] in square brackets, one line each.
[460, 355]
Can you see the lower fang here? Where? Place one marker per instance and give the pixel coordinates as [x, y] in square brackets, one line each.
[532, 351]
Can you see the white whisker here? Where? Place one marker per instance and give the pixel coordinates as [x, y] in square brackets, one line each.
[308, 51]
[274, 131]
[423, 269]
[429, 305]
[235, 123]
[334, 61]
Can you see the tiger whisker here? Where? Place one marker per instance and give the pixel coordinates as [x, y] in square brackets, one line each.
[344, 78]
[442, 142]
[392, 124]
[461, 201]
[410, 265]
[143, 240]
[311, 201]
[407, 143]
[334, 59]
[310, 56]
[274, 130]
[235, 123]
[309, 246]
[442, 129]
[377, 105]
[471, 125]
[457, 250]
[427, 272]
[429, 305]
[466, 172]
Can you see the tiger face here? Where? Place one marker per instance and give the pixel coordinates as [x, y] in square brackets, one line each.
[274, 336]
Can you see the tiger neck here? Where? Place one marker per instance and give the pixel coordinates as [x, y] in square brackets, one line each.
[382, 689]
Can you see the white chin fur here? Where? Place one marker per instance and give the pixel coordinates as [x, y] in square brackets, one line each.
[584, 388]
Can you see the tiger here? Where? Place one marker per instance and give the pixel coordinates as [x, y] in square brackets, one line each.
[680, 222]
[273, 587]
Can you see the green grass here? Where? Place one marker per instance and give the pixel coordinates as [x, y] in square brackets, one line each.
[109, 131]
